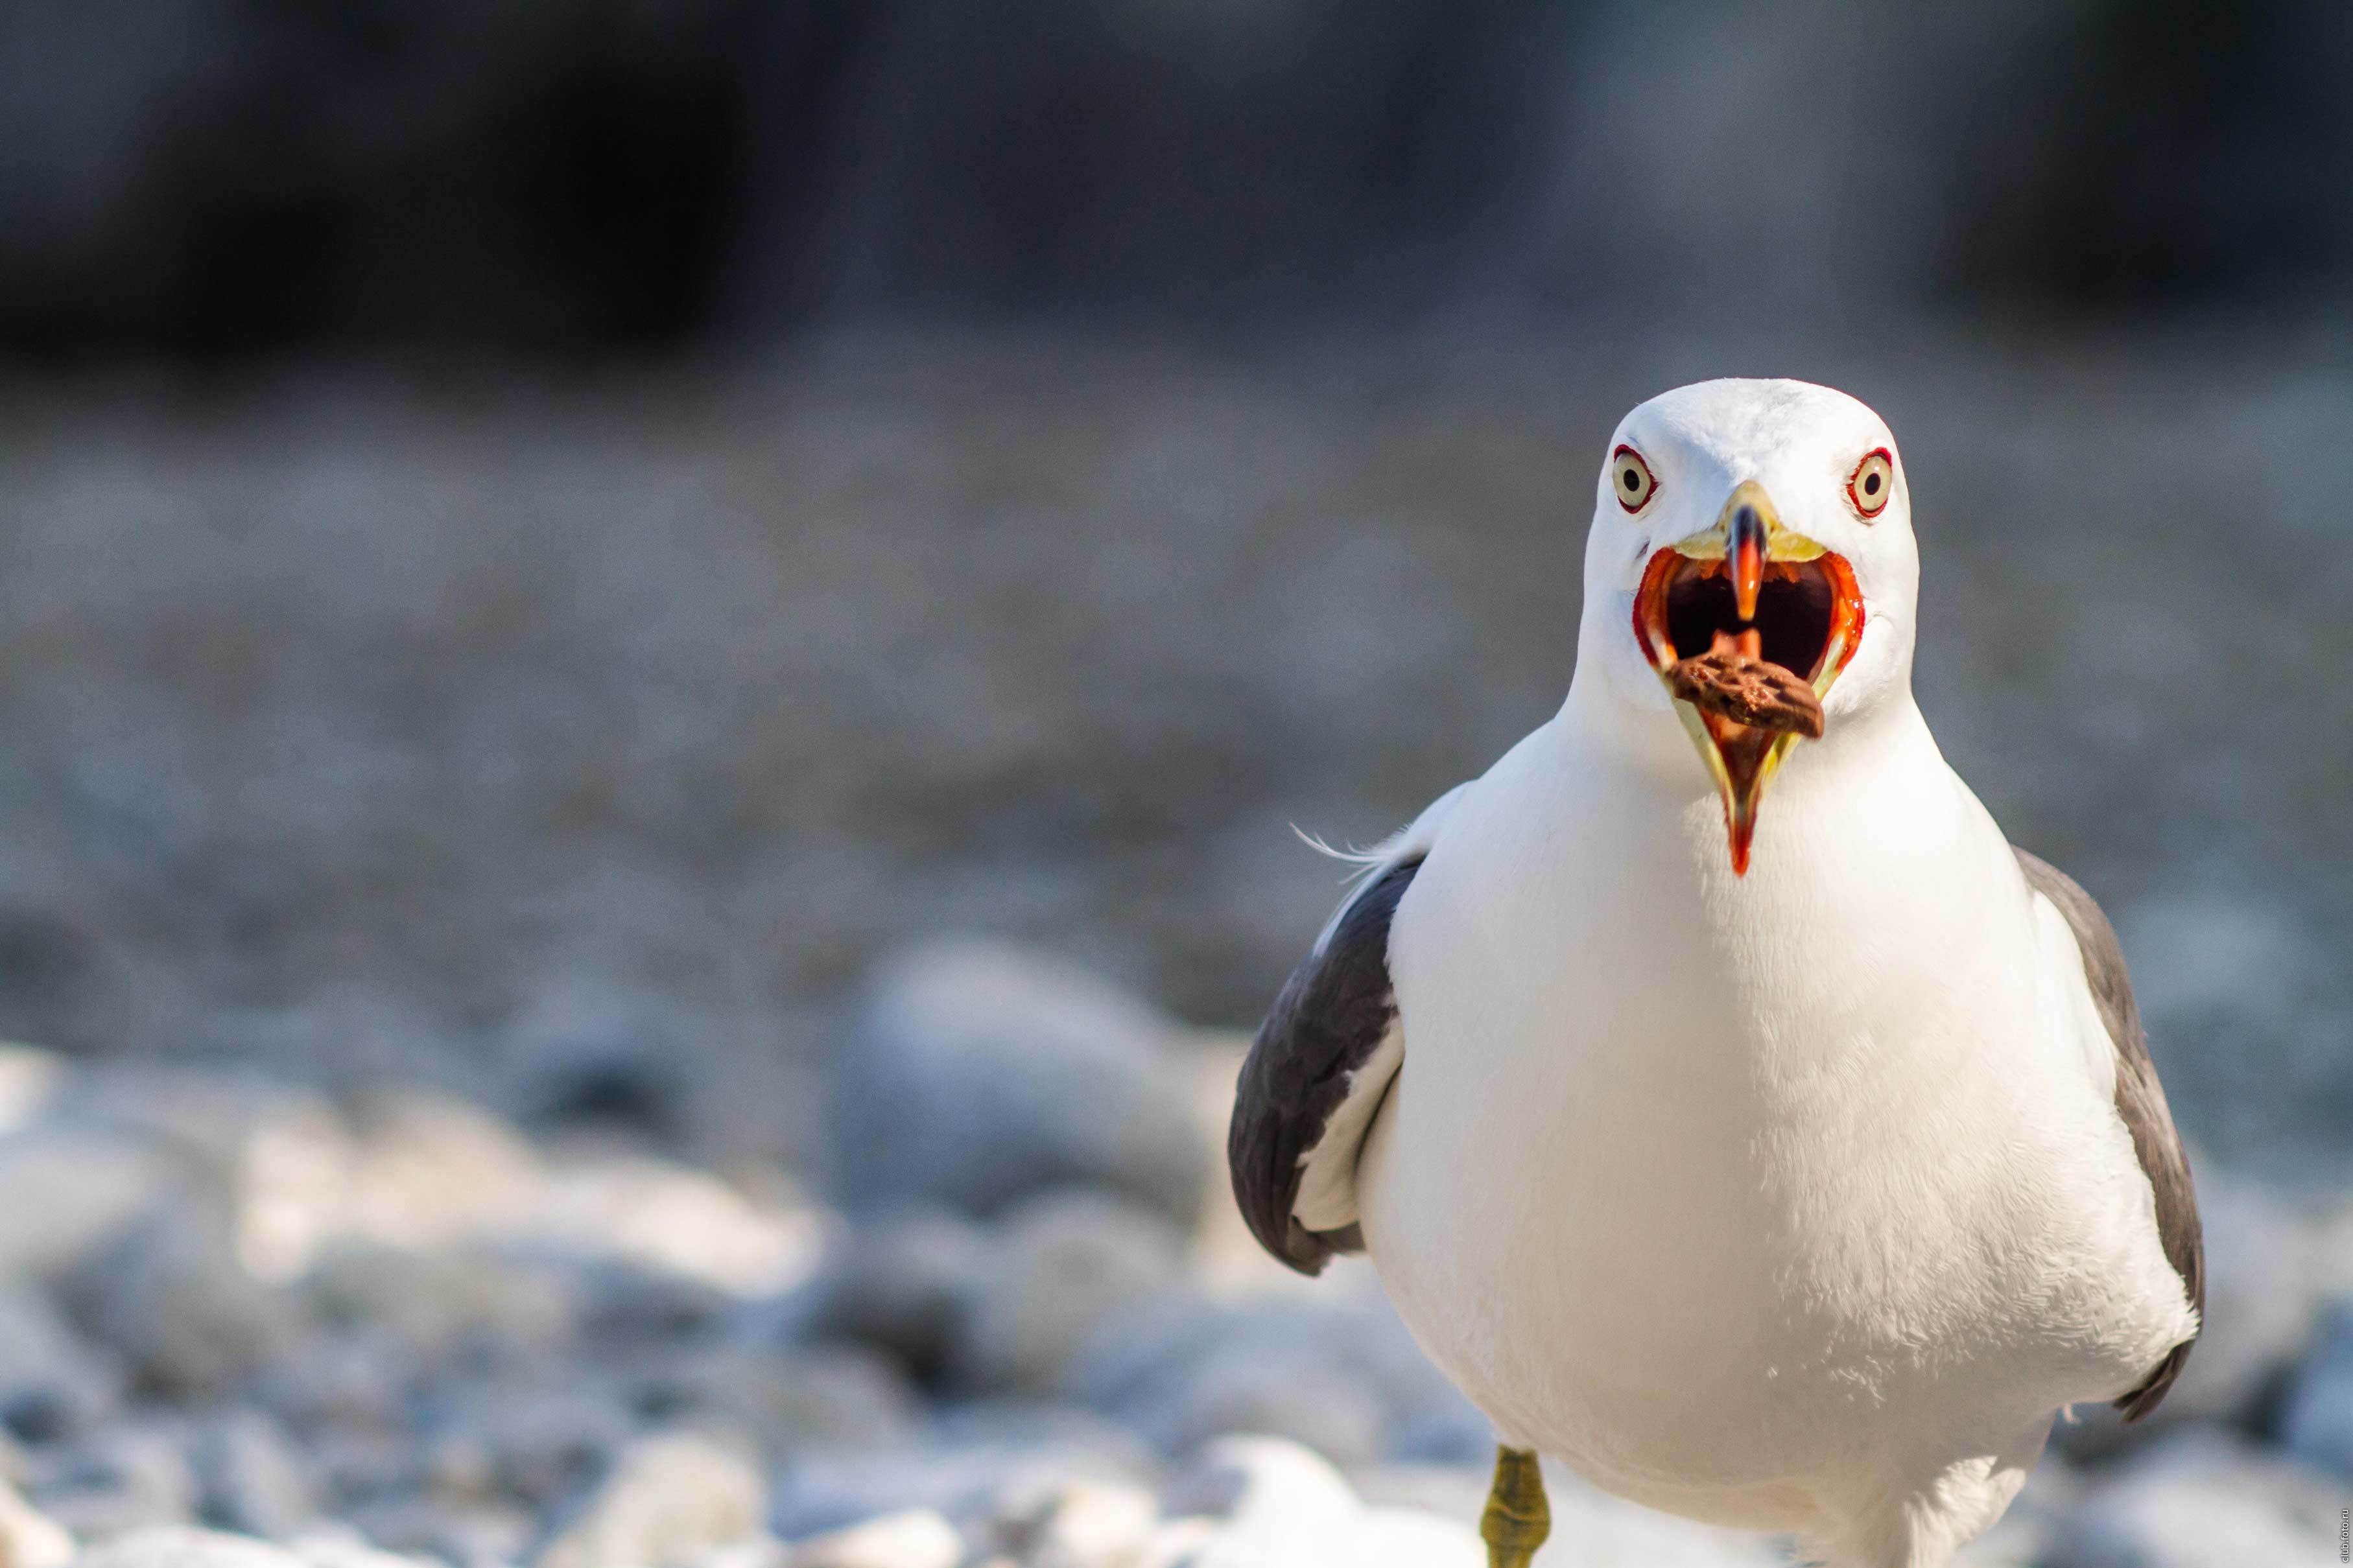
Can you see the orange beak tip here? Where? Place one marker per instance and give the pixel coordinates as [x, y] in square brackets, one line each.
[1747, 578]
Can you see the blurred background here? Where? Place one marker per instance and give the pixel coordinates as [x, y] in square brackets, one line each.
[558, 551]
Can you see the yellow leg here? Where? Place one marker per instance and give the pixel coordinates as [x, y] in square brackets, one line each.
[1517, 1518]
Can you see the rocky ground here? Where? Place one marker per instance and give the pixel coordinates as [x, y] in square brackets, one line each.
[1008, 1319]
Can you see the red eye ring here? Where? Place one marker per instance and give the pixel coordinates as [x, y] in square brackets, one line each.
[1631, 480]
[1872, 483]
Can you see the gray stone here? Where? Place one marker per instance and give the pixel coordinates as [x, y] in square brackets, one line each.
[670, 1500]
[480, 1534]
[181, 1546]
[431, 1299]
[2200, 1498]
[983, 1073]
[2317, 1420]
[252, 1479]
[126, 1477]
[1343, 1378]
[918, 1538]
[52, 1384]
[906, 1282]
[354, 1382]
[171, 1297]
[829, 1396]
[975, 1462]
[1275, 1501]
[1070, 1264]
[586, 1050]
[544, 1440]
[1054, 1523]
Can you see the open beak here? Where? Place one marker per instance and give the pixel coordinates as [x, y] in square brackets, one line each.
[1780, 597]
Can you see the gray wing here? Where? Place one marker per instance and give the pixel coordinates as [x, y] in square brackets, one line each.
[1325, 1026]
[2140, 1100]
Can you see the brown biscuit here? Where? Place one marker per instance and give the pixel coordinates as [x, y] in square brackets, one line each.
[1731, 680]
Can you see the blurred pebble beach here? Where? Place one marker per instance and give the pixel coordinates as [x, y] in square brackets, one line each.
[661, 668]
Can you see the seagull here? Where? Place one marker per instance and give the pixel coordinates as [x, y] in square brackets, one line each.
[1786, 1167]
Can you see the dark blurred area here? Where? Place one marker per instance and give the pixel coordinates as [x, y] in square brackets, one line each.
[225, 180]
[584, 508]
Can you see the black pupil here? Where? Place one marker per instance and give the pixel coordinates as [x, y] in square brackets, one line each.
[1870, 485]
[1633, 481]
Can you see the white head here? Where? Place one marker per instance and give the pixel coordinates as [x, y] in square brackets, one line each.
[1788, 496]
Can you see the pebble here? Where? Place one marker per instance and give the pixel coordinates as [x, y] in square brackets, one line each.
[2202, 1499]
[431, 1299]
[1072, 1262]
[71, 1191]
[1342, 1377]
[172, 1298]
[985, 1073]
[827, 1395]
[918, 1538]
[907, 1283]
[670, 1498]
[1090, 1524]
[2317, 1420]
[128, 1476]
[185, 1546]
[1047, 1379]
[29, 1538]
[52, 1384]
[252, 1480]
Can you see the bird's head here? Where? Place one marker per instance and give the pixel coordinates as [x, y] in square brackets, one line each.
[1764, 527]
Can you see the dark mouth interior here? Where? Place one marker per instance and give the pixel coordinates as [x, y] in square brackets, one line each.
[1793, 612]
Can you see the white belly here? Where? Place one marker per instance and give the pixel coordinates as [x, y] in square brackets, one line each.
[1821, 1217]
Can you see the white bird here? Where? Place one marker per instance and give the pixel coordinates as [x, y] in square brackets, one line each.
[1786, 1169]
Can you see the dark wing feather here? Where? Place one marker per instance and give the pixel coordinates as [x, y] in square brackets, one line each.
[1326, 1024]
[2140, 1100]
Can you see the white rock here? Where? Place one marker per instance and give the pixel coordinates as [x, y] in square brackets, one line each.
[29, 1081]
[339, 1546]
[755, 1552]
[185, 1546]
[1408, 1538]
[919, 1538]
[70, 1193]
[2201, 1499]
[1092, 1524]
[985, 1073]
[1276, 1502]
[1072, 1262]
[29, 1538]
[430, 1169]
[670, 1500]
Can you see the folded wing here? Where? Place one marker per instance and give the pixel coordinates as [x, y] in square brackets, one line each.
[2140, 1101]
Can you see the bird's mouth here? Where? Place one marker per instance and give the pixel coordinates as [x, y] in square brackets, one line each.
[1744, 593]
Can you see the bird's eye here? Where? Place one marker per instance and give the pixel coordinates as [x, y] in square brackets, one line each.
[1872, 480]
[1630, 477]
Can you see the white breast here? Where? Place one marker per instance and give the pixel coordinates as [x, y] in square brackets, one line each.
[1727, 1190]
